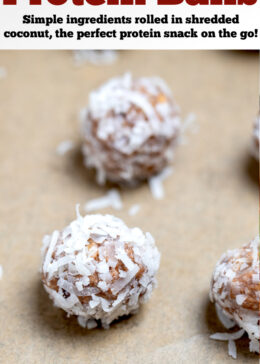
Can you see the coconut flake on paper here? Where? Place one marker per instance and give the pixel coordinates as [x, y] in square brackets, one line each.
[64, 147]
[96, 57]
[111, 199]
[156, 183]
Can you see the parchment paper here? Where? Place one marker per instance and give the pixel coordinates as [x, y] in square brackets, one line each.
[211, 204]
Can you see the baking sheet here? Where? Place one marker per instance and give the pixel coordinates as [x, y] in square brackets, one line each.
[211, 204]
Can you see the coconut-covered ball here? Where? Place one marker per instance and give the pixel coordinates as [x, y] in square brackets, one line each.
[256, 138]
[235, 288]
[130, 128]
[99, 269]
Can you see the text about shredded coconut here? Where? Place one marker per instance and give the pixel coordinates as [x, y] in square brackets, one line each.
[130, 30]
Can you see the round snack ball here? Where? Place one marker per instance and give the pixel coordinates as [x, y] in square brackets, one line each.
[99, 269]
[235, 287]
[130, 128]
[256, 138]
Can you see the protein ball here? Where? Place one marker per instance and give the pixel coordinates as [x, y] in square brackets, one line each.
[130, 128]
[235, 288]
[256, 138]
[99, 269]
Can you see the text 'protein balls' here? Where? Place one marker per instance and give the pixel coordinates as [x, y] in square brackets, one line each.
[130, 128]
[99, 269]
[235, 288]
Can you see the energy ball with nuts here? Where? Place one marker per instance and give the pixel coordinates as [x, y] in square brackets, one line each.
[130, 128]
[99, 269]
[235, 288]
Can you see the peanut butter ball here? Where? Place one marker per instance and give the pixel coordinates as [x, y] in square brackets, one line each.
[235, 288]
[130, 128]
[99, 269]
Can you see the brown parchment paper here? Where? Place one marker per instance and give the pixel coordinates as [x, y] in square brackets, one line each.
[211, 204]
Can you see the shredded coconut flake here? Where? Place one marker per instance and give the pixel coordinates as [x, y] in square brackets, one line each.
[3, 72]
[240, 298]
[232, 349]
[256, 139]
[111, 199]
[134, 209]
[254, 345]
[82, 321]
[65, 147]
[226, 322]
[1, 272]
[156, 185]
[188, 125]
[226, 336]
[96, 57]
